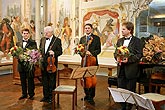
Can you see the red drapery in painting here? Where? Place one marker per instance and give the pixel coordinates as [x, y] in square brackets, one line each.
[101, 13]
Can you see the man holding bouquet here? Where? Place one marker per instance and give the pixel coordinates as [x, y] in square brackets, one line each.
[25, 74]
[127, 68]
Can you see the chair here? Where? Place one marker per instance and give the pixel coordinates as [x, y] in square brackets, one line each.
[158, 100]
[157, 80]
[65, 89]
[112, 80]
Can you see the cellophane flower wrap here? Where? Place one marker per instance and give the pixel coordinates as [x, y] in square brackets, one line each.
[79, 49]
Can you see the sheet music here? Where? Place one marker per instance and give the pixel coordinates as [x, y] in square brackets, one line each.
[123, 95]
[144, 102]
[81, 72]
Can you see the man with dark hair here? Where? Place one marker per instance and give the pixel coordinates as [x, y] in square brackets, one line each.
[25, 75]
[128, 69]
[94, 48]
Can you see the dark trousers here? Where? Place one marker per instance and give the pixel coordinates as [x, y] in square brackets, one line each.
[90, 92]
[49, 83]
[129, 84]
[27, 83]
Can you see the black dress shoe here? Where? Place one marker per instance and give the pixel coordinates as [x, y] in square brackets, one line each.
[31, 97]
[49, 101]
[43, 100]
[46, 100]
[91, 101]
[23, 97]
[85, 98]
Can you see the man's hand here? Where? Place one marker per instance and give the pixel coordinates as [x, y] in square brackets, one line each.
[88, 53]
[51, 53]
[119, 60]
[125, 60]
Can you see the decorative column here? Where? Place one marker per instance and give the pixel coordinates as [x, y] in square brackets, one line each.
[26, 9]
[53, 13]
[37, 21]
[0, 10]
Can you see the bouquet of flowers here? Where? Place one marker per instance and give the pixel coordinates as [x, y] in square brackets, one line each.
[80, 49]
[122, 52]
[32, 57]
[16, 51]
[29, 58]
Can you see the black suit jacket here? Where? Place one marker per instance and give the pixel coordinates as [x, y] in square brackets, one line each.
[56, 48]
[132, 66]
[31, 44]
[94, 47]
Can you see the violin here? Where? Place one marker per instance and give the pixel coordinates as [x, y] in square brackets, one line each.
[51, 68]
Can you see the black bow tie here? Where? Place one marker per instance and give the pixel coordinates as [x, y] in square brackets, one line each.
[47, 38]
[25, 41]
[127, 38]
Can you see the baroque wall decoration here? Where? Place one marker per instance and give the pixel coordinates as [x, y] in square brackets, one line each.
[105, 24]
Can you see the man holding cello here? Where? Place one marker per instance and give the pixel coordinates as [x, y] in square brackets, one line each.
[51, 48]
[92, 49]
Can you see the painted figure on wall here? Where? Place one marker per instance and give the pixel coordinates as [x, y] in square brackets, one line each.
[106, 30]
[66, 36]
[16, 24]
[6, 36]
[95, 29]
[110, 41]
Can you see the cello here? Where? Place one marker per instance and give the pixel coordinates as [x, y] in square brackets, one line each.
[89, 60]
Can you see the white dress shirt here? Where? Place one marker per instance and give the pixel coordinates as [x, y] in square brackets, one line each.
[48, 43]
[126, 42]
[24, 43]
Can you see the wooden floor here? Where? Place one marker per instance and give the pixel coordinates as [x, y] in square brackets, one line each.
[9, 94]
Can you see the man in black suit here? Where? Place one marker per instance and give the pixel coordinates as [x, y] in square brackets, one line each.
[128, 69]
[94, 48]
[49, 46]
[24, 73]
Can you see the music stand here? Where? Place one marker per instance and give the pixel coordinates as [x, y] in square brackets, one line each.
[123, 95]
[83, 72]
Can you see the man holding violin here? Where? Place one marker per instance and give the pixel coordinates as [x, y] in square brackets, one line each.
[51, 48]
[93, 48]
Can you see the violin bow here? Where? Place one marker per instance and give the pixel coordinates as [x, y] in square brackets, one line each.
[55, 40]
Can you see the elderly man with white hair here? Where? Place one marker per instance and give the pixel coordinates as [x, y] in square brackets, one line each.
[51, 48]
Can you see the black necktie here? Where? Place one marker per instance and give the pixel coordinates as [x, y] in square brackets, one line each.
[127, 38]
